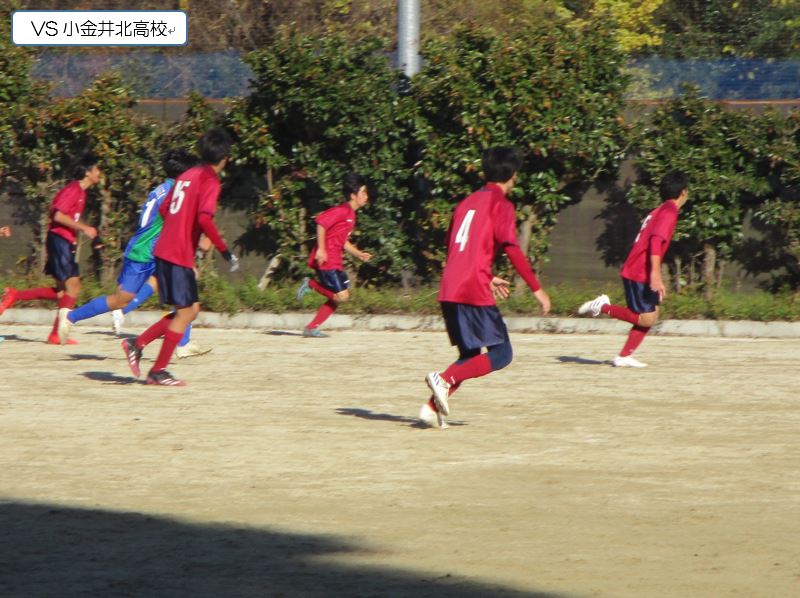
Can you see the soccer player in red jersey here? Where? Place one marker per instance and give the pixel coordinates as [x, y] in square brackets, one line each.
[188, 212]
[482, 224]
[641, 272]
[5, 231]
[66, 210]
[334, 226]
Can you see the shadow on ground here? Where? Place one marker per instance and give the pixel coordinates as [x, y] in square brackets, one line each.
[85, 357]
[14, 338]
[110, 378]
[50, 550]
[367, 414]
[581, 360]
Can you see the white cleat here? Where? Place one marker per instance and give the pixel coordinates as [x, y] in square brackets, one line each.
[64, 325]
[594, 306]
[628, 362]
[117, 320]
[440, 390]
[191, 349]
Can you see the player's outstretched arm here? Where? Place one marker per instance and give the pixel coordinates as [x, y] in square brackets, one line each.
[206, 222]
[523, 268]
[356, 252]
[544, 300]
[64, 220]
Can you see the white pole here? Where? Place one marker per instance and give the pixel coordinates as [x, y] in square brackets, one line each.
[408, 36]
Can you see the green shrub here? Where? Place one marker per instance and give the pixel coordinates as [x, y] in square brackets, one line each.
[218, 295]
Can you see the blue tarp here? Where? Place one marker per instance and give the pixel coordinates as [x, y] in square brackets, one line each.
[723, 79]
[224, 75]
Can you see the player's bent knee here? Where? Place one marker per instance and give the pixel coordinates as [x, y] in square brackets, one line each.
[500, 356]
[648, 319]
[342, 297]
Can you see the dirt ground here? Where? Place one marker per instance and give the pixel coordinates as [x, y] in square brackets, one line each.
[295, 467]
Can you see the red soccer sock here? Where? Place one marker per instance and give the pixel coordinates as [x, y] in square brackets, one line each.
[621, 313]
[171, 340]
[635, 338]
[321, 289]
[67, 301]
[475, 367]
[64, 301]
[43, 293]
[155, 331]
[325, 311]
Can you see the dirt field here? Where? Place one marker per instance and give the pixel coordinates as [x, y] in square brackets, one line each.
[295, 467]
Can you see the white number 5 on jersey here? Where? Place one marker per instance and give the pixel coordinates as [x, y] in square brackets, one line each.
[178, 195]
[462, 236]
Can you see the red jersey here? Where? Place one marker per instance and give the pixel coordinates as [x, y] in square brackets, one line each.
[338, 222]
[70, 202]
[195, 192]
[482, 224]
[659, 223]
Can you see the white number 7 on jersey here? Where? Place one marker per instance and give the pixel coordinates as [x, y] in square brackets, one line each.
[462, 236]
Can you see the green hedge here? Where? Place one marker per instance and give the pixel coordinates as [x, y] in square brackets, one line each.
[220, 296]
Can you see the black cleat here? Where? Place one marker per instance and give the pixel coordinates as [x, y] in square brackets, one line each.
[164, 378]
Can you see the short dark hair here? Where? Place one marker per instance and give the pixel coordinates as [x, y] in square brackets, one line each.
[672, 184]
[83, 164]
[214, 145]
[501, 163]
[177, 161]
[352, 182]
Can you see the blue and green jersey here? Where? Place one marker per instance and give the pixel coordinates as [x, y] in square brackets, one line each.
[140, 247]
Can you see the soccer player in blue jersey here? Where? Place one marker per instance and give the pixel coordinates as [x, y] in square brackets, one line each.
[136, 281]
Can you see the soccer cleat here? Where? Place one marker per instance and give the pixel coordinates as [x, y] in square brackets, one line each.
[313, 333]
[9, 297]
[440, 390]
[594, 306]
[191, 349]
[64, 325]
[302, 290]
[117, 320]
[163, 378]
[429, 416]
[628, 362]
[54, 340]
[134, 355]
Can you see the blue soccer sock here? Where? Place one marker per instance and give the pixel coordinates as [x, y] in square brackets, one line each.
[186, 336]
[145, 292]
[95, 307]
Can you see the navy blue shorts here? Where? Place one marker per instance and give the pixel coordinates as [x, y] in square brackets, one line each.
[134, 275]
[471, 327]
[333, 280]
[177, 285]
[61, 263]
[640, 297]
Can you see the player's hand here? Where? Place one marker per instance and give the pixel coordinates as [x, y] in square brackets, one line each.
[321, 257]
[657, 286]
[544, 300]
[90, 232]
[234, 263]
[364, 256]
[501, 288]
[5, 231]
